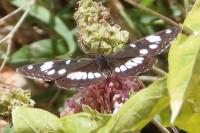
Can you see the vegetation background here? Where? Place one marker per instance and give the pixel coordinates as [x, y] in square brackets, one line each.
[49, 32]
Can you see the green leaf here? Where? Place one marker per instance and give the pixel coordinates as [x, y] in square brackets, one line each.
[103, 117]
[32, 120]
[147, 2]
[7, 129]
[184, 58]
[53, 21]
[184, 67]
[86, 122]
[139, 109]
[189, 121]
[39, 51]
[192, 17]
[78, 122]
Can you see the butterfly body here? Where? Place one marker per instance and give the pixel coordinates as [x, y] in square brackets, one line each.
[105, 65]
[135, 58]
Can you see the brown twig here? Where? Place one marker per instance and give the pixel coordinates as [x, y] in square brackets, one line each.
[185, 30]
[7, 53]
[13, 13]
[10, 35]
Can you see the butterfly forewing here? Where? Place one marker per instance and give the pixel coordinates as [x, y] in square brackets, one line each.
[51, 70]
[151, 45]
[82, 76]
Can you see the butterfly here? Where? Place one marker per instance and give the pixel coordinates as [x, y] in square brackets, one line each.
[134, 59]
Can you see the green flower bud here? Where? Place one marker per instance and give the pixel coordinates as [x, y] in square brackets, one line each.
[97, 35]
[11, 97]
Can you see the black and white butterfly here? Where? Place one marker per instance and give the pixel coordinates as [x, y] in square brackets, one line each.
[135, 58]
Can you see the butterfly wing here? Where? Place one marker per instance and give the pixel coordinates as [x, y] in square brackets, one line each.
[66, 73]
[137, 57]
[149, 46]
[82, 76]
[134, 59]
[51, 70]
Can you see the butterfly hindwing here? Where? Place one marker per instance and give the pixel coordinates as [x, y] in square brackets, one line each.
[151, 45]
[133, 66]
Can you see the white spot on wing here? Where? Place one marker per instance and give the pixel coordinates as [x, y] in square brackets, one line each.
[153, 46]
[153, 38]
[46, 66]
[70, 75]
[123, 68]
[168, 31]
[68, 62]
[75, 75]
[138, 60]
[117, 69]
[61, 71]
[30, 67]
[133, 45]
[84, 75]
[97, 75]
[90, 75]
[144, 51]
[51, 72]
[130, 64]
[81, 74]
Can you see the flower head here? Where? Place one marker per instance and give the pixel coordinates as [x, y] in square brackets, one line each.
[105, 97]
[97, 35]
[12, 97]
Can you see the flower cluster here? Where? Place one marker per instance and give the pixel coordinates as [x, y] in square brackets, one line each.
[97, 35]
[105, 97]
[11, 97]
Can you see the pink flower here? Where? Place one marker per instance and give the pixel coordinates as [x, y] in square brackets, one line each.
[105, 97]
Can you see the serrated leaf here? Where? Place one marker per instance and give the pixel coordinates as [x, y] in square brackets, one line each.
[53, 21]
[139, 109]
[32, 120]
[39, 51]
[184, 64]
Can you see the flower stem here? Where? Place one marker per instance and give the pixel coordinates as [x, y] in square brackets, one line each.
[160, 126]
[159, 71]
[148, 78]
